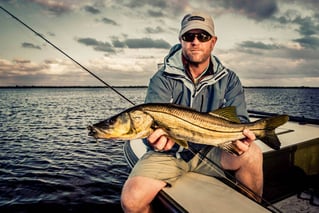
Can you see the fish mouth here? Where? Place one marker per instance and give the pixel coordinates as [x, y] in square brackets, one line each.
[92, 131]
[97, 133]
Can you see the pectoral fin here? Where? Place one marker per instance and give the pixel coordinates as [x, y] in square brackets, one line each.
[181, 142]
[229, 147]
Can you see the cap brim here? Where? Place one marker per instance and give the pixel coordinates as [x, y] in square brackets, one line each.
[194, 27]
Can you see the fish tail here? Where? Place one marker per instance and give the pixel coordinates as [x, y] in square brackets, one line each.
[269, 137]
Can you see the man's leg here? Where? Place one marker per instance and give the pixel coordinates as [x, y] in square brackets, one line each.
[151, 173]
[138, 193]
[247, 167]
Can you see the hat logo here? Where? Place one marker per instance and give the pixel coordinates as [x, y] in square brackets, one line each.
[195, 18]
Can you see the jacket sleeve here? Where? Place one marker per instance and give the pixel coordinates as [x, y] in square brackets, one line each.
[235, 96]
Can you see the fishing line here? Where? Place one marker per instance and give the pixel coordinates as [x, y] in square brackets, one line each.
[224, 173]
[68, 56]
[201, 156]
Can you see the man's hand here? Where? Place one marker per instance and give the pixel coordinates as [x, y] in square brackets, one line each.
[160, 140]
[243, 145]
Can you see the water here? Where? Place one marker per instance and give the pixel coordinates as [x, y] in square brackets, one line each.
[303, 102]
[48, 162]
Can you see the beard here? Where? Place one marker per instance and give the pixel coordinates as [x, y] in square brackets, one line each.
[195, 56]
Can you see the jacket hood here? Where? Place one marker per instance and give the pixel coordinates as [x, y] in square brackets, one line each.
[174, 69]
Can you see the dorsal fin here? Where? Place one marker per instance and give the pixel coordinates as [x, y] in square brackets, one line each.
[227, 113]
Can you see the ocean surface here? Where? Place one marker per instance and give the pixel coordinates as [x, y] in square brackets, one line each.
[48, 162]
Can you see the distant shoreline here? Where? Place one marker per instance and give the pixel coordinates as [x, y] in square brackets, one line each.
[249, 87]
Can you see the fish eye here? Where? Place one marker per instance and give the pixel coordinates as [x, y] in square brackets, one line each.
[111, 120]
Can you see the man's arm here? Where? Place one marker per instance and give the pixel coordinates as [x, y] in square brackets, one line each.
[235, 96]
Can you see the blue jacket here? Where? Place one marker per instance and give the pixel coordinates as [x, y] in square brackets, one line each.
[219, 88]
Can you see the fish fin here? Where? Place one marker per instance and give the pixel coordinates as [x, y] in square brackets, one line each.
[181, 142]
[229, 147]
[227, 113]
[269, 137]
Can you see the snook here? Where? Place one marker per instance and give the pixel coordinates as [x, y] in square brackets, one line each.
[217, 128]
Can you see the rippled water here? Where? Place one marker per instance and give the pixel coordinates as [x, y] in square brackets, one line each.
[48, 160]
[292, 101]
[46, 155]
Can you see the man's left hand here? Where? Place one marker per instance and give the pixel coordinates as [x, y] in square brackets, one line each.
[243, 145]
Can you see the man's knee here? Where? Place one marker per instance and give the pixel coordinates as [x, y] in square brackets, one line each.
[252, 161]
[255, 153]
[131, 195]
[252, 157]
[138, 193]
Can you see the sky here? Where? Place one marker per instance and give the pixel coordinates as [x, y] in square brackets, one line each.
[266, 42]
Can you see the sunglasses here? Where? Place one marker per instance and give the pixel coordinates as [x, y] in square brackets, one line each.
[202, 37]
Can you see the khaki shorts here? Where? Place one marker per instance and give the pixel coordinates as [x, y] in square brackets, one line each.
[168, 168]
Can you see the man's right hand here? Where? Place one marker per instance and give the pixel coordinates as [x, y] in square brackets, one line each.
[160, 141]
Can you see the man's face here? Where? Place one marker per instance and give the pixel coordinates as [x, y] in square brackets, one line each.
[197, 46]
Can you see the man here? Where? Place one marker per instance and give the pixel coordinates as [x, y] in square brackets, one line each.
[193, 77]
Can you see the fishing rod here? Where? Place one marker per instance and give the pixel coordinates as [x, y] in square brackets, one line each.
[201, 156]
[67, 55]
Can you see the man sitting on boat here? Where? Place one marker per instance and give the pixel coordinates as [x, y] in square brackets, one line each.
[191, 76]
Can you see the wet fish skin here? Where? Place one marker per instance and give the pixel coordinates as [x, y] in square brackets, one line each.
[182, 124]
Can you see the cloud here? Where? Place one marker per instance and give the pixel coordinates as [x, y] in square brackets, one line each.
[147, 43]
[48, 72]
[270, 70]
[117, 43]
[55, 6]
[151, 30]
[63, 72]
[127, 43]
[160, 8]
[283, 43]
[273, 64]
[19, 67]
[31, 46]
[155, 14]
[309, 4]
[97, 45]
[108, 21]
[88, 41]
[258, 45]
[58, 7]
[51, 34]
[257, 10]
[154, 3]
[308, 42]
[91, 9]
[307, 27]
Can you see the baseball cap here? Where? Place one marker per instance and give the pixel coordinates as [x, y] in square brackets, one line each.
[197, 20]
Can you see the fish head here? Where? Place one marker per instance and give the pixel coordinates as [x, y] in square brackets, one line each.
[124, 126]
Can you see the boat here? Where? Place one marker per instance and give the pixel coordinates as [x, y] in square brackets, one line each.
[290, 171]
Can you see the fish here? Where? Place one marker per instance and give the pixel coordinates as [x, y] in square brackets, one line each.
[183, 124]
